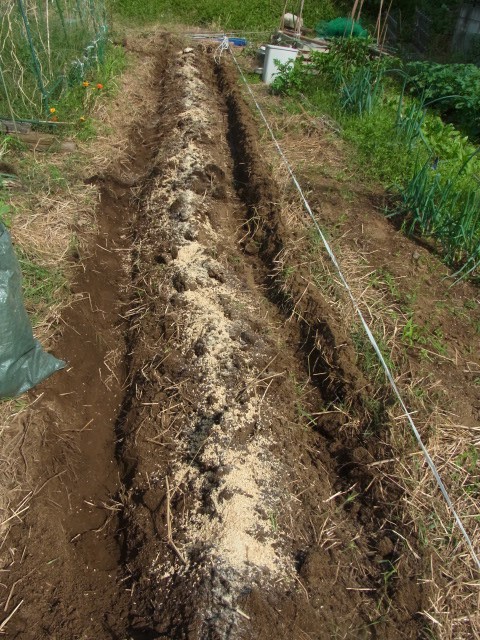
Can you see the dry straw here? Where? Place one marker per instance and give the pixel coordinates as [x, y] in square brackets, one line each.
[454, 605]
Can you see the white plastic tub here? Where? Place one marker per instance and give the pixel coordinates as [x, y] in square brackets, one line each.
[272, 53]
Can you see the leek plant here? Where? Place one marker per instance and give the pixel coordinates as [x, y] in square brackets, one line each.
[361, 94]
[409, 120]
[435, 208]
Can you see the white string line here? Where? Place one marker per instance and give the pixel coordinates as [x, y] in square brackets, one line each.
[370, 336]
[223, 46]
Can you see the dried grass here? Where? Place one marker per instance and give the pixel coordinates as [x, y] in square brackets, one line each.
[135, 101]
[56, 216]
[48, 228]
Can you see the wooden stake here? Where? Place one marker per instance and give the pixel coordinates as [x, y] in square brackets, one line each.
[379, 21]
[383, 35]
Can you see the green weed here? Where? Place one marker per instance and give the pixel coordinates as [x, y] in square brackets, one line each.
[351, 497]
[5, 213]
[48, 48]
[383, 279]
[273, 521]
[470, 304]
[411, 333]
[42, 286]
[469, 460]
[367, 357]
[414, 335]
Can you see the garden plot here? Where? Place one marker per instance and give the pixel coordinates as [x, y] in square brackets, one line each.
[207, 482]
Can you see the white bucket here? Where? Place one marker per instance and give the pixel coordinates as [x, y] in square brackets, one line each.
[274, 52]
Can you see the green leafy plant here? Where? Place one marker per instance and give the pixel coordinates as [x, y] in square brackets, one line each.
[435, 80]
[348, 55]
[291, 79]
[230, 14]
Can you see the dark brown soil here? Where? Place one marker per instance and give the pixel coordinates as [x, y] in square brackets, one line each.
[94, 556]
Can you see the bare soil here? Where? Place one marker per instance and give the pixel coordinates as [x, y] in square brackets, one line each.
[192, 479]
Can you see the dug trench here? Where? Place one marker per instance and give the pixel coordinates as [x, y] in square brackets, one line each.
[202, 485]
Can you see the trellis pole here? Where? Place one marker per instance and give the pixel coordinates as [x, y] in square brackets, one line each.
[12, 114]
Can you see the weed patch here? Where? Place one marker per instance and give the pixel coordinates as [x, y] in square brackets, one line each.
[42, 286]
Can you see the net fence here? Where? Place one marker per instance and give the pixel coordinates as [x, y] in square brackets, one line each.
[46, 46]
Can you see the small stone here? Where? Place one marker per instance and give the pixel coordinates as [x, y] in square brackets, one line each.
[189, 235]
[179, 282]
[176, 205]
[219, 192]
[385, 547]
[247, 337]
[192, 285]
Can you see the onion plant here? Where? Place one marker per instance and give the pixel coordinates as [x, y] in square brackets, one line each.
[362, 92]
[435, 208]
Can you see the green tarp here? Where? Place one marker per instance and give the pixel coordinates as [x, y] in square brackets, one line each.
[340, 28]
[23, 363]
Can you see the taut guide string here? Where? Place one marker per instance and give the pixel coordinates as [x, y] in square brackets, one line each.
[224, 46]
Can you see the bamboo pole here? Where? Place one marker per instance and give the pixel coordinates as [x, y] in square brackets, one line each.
[300, 16]
[33, 54]
[379, 21]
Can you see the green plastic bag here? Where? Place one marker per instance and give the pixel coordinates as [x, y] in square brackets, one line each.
[340, 28]
[23, 363]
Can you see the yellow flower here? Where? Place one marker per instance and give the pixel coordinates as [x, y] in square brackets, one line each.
[82, 119]
[52, 109]
[86, 84]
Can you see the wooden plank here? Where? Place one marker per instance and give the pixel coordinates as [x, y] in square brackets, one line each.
[9, 126]
[46, 142]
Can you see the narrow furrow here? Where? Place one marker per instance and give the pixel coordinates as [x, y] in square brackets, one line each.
[228, 520]
[216, 495]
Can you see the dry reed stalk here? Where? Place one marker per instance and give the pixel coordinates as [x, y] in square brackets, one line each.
[169, 524]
